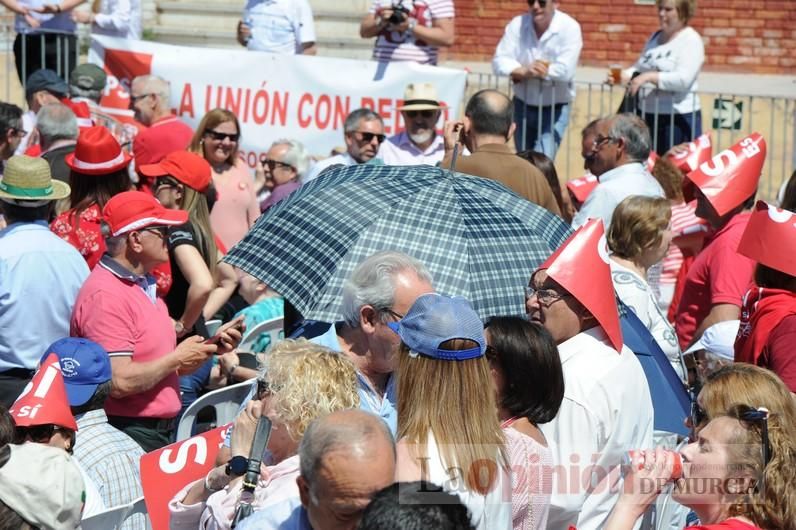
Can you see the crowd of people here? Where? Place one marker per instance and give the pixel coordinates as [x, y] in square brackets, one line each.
[410, 410]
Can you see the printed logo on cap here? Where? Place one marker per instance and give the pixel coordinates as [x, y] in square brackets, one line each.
[69, 367]
[770, 238]
[44, 401]
[581, 266]
[698, 152]
[731, 177]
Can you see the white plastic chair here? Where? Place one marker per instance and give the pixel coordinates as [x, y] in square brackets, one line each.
[273, 327]
[225, 401]
[212, 326]
[112, 518]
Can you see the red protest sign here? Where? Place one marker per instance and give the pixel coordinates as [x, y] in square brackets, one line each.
[166, 471]
[44, 401]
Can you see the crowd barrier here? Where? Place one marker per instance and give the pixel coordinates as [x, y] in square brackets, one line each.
[730, 116]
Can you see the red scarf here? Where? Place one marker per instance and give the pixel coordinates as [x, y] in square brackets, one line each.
[763, 309]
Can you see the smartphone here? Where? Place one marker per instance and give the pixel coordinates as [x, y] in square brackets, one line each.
[215, 339]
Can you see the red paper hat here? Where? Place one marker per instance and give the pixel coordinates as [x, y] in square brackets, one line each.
[650, 163]
[770, 238]
[699, 151]
[731, 177]
[44, 401]
[97, 153]
[81, 111]
[135, 210]
[581, 267]
[189, 168]
[581, 187]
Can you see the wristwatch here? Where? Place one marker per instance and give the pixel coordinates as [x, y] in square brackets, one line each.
[412, 24]
[179, 327]
[237, 465]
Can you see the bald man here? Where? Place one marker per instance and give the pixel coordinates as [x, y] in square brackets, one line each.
[346, 457]
[486, 130]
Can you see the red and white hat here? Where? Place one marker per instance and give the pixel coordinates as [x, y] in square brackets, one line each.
[650, 163]
[44, 401]
[581, 187]
[731, 177]
[97, 153]
[581, 267]
[82, 113]
[699, 151]
[136, 210]
[770, 238]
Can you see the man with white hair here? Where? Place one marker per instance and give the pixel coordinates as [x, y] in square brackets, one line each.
[283, 168]
[149, 100]
[346, 457]
[57, 126]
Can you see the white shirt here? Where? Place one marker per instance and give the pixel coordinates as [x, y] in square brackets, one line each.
[678, 63]
[279, 26]
[60, 23]
[94, 503]
[560, 44]
[487, 512]
[614, 187]
[399, 150]
[636, 293]
[606, 411]
[118, 18]
[343, 159]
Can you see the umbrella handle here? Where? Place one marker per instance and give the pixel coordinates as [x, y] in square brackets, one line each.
[454, 156]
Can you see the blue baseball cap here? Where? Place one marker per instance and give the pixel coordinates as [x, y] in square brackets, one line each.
[434, 319]
[84, 364]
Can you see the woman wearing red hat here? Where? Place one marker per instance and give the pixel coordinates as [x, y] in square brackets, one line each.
[236, 210]
[98, 172]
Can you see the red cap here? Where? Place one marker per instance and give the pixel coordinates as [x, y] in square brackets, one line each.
[135, 210]
[699, 151]
[770, 238]
[97, 153]
[581, 187]
[731, 177]
[581, 267]
[189, 168]
[44, 401]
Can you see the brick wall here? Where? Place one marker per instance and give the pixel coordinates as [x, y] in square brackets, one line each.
[740, 35]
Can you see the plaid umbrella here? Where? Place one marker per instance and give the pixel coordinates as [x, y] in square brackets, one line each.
[478, 238]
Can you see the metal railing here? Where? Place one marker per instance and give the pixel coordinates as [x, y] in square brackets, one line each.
[736, 115]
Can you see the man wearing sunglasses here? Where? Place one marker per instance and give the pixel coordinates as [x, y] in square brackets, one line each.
[539, 50]
[364, 134]
[166, 133]
[419, 143]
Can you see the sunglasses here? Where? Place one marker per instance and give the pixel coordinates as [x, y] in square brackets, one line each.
[542, 3]
[368, 137]
[273, 164]
[424, 113]
[35, 433]
[165, 182]
[135, 99]
[220, 136]
[23, 132]
[161, 231]
[263, 389]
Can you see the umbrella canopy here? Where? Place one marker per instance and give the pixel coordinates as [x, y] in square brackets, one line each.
[478, 238]
[670, 398]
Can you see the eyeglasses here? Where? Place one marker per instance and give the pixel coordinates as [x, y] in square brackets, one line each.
[272, 164]
[22, 132]
[600, 141]
[368, 137]
[134, 99]
[220, 136]
[424, 113]
[396, 316]
[542, 3]
[161, 231]
[546, 297]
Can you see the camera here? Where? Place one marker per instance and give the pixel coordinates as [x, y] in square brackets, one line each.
[399, 14]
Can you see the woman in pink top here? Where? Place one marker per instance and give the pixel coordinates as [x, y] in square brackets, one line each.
[217, 139]
[301, 381]
[529, 383]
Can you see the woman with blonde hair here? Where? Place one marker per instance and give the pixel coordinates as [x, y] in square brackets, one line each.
[301, 381]
[639, 237]
[217, 139]
[448, 430]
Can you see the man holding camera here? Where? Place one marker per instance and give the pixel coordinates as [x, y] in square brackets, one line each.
[408, 30]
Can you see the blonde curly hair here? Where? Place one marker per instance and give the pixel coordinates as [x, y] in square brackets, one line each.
[308, 381]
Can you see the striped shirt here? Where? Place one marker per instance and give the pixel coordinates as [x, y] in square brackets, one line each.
[683, 216]
[110, 458]
[403, 46]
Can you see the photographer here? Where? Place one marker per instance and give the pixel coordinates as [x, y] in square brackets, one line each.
[409, 30]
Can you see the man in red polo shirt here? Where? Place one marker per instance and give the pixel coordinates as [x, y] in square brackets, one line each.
[725, 189]
[149, 100]
[117, 307]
